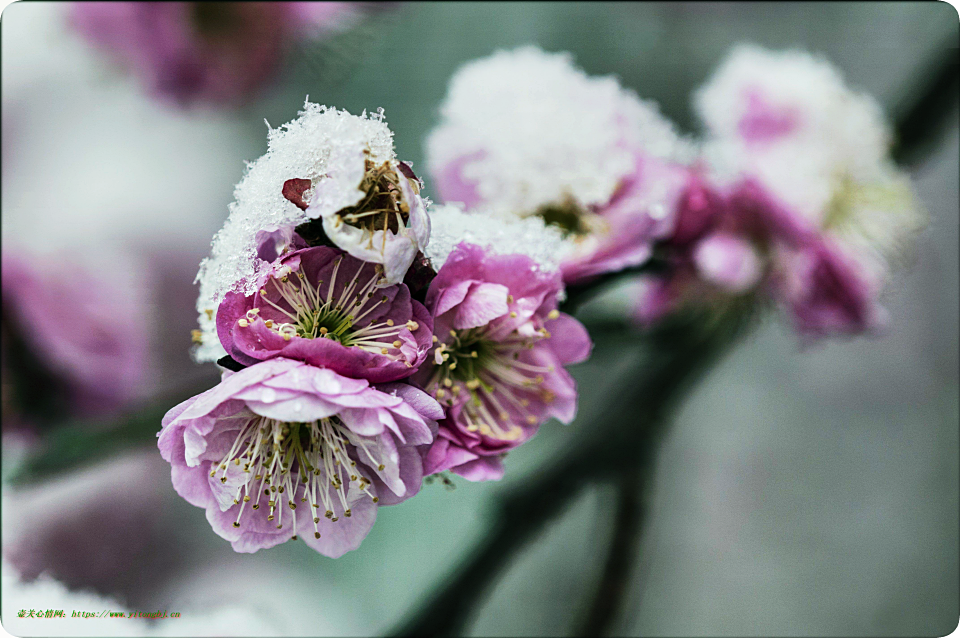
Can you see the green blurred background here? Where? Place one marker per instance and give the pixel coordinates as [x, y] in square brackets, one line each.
[800, 492]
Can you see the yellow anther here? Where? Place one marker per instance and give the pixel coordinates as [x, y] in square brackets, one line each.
[412, 326]
[513, 315]
[397, 343]
[553, 314]
[389, 322]
[531, 419]
[268, 323]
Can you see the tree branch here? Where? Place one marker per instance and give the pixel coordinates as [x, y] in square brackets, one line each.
[616, 441]
[922, 121]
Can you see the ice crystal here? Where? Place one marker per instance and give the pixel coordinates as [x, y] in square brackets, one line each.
[502, 235]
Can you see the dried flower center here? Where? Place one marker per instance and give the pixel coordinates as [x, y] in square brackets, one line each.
[572, 219]
[215, 18]
[277, 464]
[497, 386]
[384, 207]
[314, 312]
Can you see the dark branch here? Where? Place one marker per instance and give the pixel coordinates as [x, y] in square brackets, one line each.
[622, 437]
[622, 553]
[929, 108]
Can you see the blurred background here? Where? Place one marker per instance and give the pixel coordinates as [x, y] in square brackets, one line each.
[800, 492]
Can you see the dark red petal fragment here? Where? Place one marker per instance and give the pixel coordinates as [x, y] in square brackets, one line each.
[293, 190]
[406, 170]
[419, 276]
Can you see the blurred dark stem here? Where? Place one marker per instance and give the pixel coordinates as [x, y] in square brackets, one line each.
[620, 438]
[37, 392]
[577, 294]
[632, 506]
[86, 442]
[928, 109]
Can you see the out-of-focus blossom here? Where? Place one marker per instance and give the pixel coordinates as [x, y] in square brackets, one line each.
[283, 448]
[498, 364]
[216, 52]
[795, 197]
[323, 307]
[333, 178]
[526, 133]
[87, 529]
[74, 338]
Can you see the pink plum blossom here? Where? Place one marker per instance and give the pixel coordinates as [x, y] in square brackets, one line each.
[215, 52]
[498, 364]
[283, 449]
[743, 239]
[527, 133]
[795, 198]
[323, 307]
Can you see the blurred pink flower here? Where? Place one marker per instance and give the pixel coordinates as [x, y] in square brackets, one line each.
[498, 365]
[85, 332]
[737, 240]
[205, 51]
[527, 133]
[323, 307]
[640, 212]
[315, 450]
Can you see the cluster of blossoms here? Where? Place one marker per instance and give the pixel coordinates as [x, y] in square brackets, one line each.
[216, 52]
[790, 194]
[371, 338]
[366, 342]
